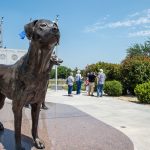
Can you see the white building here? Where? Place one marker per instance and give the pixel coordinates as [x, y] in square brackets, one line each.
[10, 56]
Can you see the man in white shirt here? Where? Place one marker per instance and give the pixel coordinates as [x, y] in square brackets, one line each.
[100, 82]
[70, 81]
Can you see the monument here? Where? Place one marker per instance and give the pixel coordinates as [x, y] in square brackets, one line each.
[25, 82]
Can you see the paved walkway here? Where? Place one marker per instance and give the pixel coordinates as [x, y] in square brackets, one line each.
[130, 118]
[83, 123]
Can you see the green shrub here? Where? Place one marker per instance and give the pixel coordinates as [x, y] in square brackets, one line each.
[112, 71]
[83, 87]
[135, 70]
[113, 88]
[142, 91]
[65, 87]
[74, 87]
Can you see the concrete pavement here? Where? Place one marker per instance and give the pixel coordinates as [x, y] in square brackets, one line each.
[82, 122]
[130, 118]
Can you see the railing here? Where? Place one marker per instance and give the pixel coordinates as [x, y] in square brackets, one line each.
[61, 84]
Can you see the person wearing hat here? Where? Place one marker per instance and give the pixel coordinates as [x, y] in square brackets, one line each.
[70, 81]
[78, 79]
[100, 82]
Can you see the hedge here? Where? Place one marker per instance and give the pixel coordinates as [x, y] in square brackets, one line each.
[113, 88]
[142, 91]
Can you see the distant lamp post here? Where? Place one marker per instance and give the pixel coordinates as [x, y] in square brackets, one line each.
[66, 74]
[56, 74]
[1, 33]
[56, 52]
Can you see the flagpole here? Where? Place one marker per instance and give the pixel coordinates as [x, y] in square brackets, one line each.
[56, 52]
[56, 75]
[1, 33]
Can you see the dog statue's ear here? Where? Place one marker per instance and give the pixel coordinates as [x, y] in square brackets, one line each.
[29, 28]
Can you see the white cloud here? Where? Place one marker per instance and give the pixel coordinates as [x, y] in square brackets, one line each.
[139, 33]
[98, 25]
[138, 19]
[134, 14]
[117, 24]
[147, 26]
[94, 27]
[129, 23]
[141, 13]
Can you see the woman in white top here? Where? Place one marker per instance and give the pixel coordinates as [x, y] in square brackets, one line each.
[78, 82]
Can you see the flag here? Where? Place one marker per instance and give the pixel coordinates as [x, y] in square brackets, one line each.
[22, 35]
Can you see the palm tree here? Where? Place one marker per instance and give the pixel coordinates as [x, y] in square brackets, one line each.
[139, 49]
[134, 50]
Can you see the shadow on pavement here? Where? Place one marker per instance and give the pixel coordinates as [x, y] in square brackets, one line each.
[8, 143]
[64, 127]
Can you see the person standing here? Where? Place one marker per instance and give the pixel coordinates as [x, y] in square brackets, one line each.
[87, 85]
[100, 82]
[70, 81]
[91, 77]
[78, 79]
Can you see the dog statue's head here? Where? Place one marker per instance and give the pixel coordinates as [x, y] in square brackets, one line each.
[43, 31]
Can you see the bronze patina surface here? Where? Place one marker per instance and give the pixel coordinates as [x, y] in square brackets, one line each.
[25, 82]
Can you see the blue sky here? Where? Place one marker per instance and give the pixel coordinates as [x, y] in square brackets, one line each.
[91, 30]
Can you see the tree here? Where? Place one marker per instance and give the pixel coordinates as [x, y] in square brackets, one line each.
[139, 50]
[112, 71]
[147, 48]
[62, 72]
[134, 70]
[134, 50]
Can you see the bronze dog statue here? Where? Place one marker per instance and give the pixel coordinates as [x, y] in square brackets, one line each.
[25, 82]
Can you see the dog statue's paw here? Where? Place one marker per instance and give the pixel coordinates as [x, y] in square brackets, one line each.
[39, 144]
[1, 126]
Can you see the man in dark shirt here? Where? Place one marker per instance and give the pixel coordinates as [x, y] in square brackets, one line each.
[91, 77]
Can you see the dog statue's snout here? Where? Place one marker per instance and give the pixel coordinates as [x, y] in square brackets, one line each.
[55, 28]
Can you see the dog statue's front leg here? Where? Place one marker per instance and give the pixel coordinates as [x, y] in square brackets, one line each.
[1, 126]
[2, 100]
[35, 110]
[17, 110]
